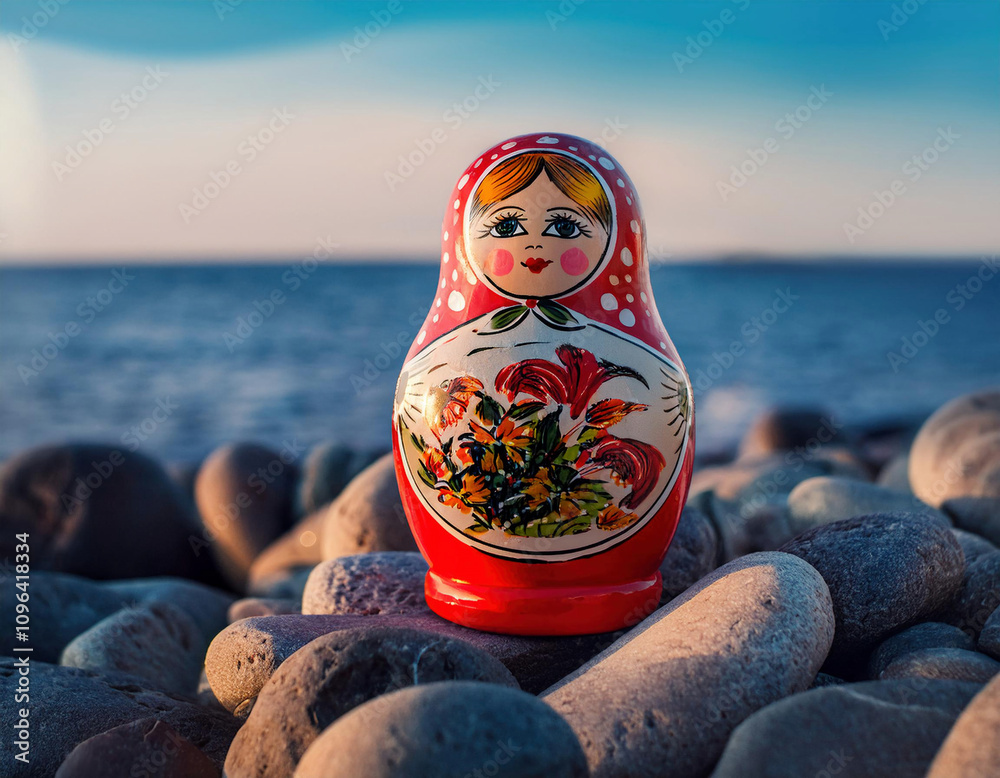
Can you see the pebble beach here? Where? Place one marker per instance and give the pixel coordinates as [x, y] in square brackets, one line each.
[830, 607]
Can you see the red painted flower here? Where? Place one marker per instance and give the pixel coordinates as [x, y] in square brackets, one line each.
[632, 463]
[573, 383]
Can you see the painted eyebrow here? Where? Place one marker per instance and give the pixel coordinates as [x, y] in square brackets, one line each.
[505, 208]
[571, 210]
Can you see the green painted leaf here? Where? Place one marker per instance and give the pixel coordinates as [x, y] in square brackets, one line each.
[489, 410]
[508, 317]
[556, 313]
[524, 409]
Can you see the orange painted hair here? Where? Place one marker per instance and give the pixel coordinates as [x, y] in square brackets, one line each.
[571, 178]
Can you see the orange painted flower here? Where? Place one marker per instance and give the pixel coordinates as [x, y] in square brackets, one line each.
[472, 493]
[607, 412]
[435, 462]
[513, 438]
[613, 517]
[447, 404]
[539, 488]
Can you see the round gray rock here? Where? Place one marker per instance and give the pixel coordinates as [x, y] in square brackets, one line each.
[929, 634]
[69, 705]
[978, 596]
[671, 691]
[98, 511]
[147, 747]
[452, 729]
[989, 638]
[950, 664]
[877, 728]
[244, 494]
[692, 553]
[327, 470]
[243, 657]
[972, 748]
[297, 549]
[158, 643]
[249, 607]
[64, 606]
[973, 545]
[896, 474]
[827, 499]
[787, 429]
[957, 452]
[368, 515]
[337, 672]
[885, 572]
[367, 585]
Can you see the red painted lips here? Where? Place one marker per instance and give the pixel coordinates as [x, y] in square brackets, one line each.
[536, 264]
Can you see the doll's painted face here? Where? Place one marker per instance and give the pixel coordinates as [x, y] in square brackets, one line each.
[538, 241]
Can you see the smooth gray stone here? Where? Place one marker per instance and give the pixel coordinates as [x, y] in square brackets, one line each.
[885, 572]
[876, 728]
[334, 674]
[451, 729]
[672, 690]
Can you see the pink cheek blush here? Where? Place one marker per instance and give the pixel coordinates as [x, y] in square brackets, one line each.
[500, 261]
[574, 262]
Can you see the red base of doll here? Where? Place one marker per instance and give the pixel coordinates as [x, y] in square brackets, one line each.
[574, 610]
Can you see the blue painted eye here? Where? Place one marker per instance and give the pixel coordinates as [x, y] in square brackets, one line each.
[562, 228]
[508, 227]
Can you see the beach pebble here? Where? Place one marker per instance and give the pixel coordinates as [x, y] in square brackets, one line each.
[929, 634]
[978, 597]
[972, 748]
[743, 528]
[70, 705]
[825, 679]
[327, 470]
[672, 690]
[756, 479]
[896, 474]
[244, 656]
[147, 747]
[692, 553]
[989, 638]
[297, 549]
[208, 607]
[452, 729]
[244, 494]
[367, 516]
[876, 728]
[367, 585]
[786, 429]
[158, 644]
[826, 499]
[64, 606]
[337, 672]
[950, 664]
[249, 607]
[973, 545]
[957, 451]
[885, 571]
[980, 515]
[98, 511]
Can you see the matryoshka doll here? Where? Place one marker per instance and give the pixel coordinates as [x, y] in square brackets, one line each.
[543, 422]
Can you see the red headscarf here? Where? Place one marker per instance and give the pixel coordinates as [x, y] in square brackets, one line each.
[617, 294]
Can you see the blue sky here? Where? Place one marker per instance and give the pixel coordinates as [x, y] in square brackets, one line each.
[686, 114]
